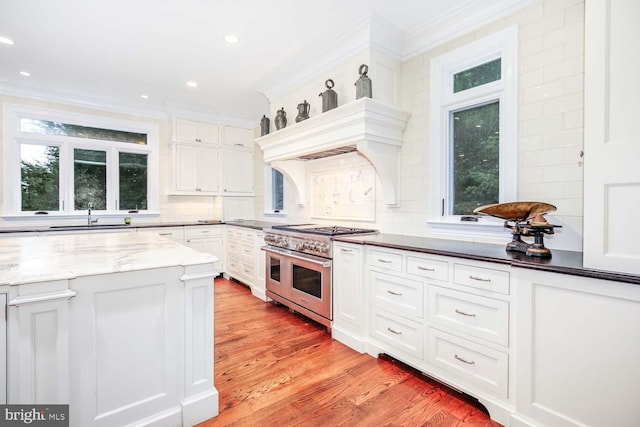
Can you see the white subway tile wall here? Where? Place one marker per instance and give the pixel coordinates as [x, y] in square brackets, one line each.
[550, 110]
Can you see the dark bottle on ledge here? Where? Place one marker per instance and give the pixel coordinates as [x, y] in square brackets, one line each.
[281, 119]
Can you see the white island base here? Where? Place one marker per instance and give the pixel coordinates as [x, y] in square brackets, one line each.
[124, 339]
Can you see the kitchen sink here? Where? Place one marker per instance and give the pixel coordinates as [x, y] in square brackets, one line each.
[86, 227]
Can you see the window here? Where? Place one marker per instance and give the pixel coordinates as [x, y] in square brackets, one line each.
[473, 129]
[57, 163]
[274, 197]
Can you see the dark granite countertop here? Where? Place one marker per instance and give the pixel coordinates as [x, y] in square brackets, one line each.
[564, 262]
[258, 225]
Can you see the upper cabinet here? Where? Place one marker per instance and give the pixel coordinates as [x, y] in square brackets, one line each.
[203, 166]
[237, 170]
[192, 131]
[238, 137]
[196, 169]
[611, 139]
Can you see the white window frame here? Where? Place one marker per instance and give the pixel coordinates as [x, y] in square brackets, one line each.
[504, 45]
[269, 209]
[13, 137]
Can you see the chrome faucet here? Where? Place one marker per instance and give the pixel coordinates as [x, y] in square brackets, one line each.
[89, 220]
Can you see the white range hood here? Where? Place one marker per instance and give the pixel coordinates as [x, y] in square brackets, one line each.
[368, 126]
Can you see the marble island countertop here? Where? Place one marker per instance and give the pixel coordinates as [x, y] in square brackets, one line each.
[259, 225]
[33, 259]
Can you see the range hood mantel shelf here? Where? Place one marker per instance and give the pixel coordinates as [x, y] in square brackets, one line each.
[371, 127]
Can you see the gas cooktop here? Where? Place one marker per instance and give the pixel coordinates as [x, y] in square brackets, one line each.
[331, 230]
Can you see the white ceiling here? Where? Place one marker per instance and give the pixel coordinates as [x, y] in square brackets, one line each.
[113, 51]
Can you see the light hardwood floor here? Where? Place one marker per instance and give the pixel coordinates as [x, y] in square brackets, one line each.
[275, 368]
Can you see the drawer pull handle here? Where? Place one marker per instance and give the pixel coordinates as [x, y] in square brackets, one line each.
[426, 268]
[394, 293]
[394, 332]
[346, 250]
[465, 314]
[463, 360]
[479, 279]
[384, 261]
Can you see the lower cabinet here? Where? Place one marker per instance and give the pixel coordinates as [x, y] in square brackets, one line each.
[208, 239]
[174, 233]
[447, 317]
[578, 351]
[536, 348]
[245, 259]
[349, 310]
[38, 343]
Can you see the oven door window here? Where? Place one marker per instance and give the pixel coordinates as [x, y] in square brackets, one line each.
[274, 269]
[307, 281]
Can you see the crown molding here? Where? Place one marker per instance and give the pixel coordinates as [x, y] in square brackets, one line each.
[81, 100]
[371, 32]
[140, 109]
[458, 23]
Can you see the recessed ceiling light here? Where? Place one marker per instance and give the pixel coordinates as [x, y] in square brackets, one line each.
[192, 84]
[144, 96]
[25, 73]
[230, 38]
[5, 40]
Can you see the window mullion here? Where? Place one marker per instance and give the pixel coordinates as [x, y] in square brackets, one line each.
[66, 178]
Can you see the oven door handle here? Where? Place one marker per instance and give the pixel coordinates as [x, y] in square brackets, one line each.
[284, 252]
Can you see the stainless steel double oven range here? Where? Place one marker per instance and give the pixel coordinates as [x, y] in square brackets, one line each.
[299, 267]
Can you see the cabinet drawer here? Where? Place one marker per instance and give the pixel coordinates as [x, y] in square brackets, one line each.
[247, 251]
[174, 233]
[248, 270]
[233, 266]
[481, 317]
[398, 294]
[249, 236]
[402, 334]
[481, 278]
[386, 260]
[472, 362]
[429, 268]
[233, 247]
[202, 232]
[234, 233]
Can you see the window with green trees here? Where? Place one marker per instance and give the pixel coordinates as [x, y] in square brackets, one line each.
[473, 128]
[57, 166]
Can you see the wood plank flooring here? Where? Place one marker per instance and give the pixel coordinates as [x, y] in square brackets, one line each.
[275, 368]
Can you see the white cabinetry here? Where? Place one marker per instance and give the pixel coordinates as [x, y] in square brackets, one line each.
[205, 167]
[349, 311]
[3, 351]
[193, 131]
[174, 233]
[245, 259]
[578, 350]
[238, 137]
[39, 343]
[196, 169]
[237, 172]
[448, 317]
[208, 239]
[611, 139]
